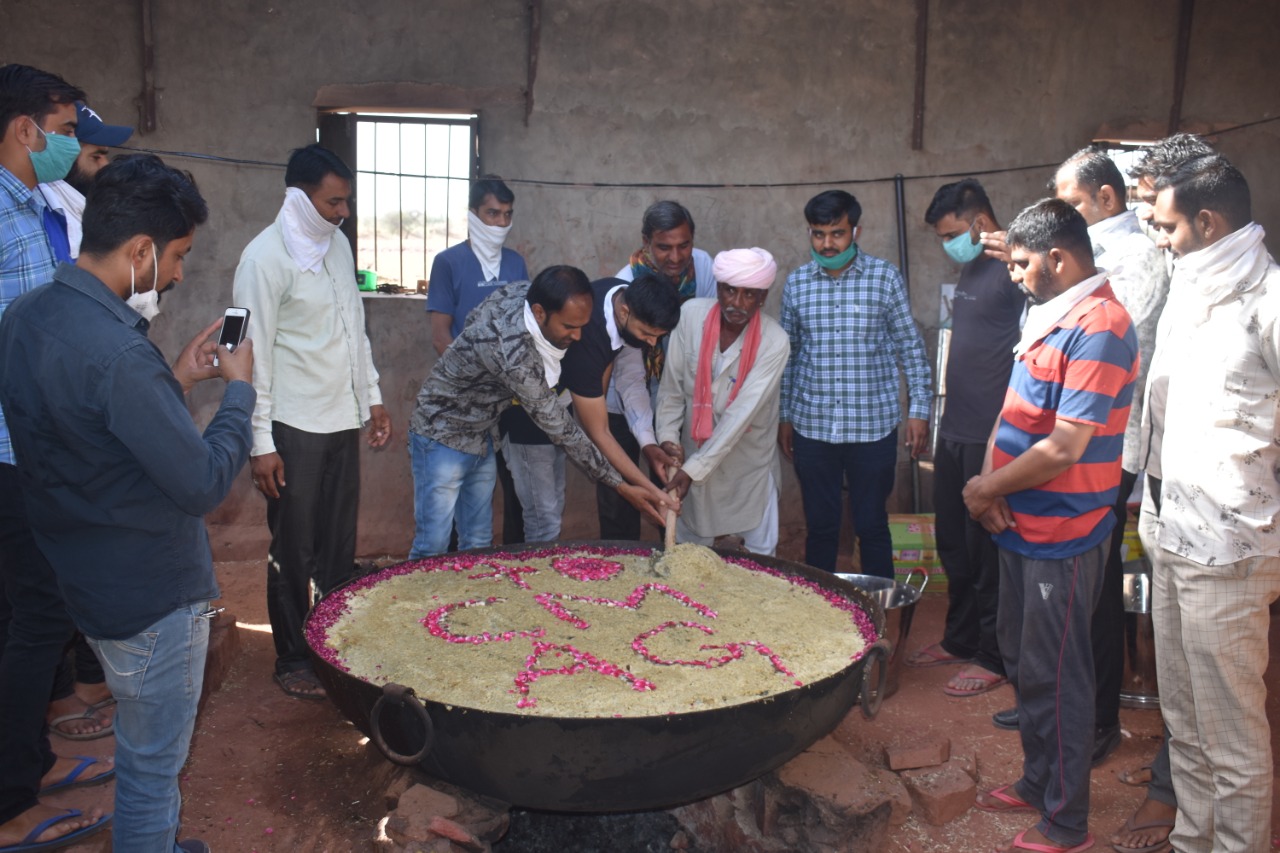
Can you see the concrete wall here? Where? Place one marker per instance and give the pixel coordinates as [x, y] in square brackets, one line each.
[719, 92]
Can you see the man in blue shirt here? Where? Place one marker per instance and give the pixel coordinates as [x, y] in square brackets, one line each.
[461, 277]
[464, 274]
[37, 143]
[117, 478]
[850, 326]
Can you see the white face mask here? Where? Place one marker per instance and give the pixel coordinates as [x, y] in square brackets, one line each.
[486, 243]
[147, 304]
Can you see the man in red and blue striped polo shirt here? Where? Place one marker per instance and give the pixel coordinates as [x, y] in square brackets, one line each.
[1049, 482]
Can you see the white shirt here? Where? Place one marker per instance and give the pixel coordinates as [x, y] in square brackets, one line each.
[68, 201]
[1220, 354]
[731, 470]
[312, 363]
[1139, 277]
[627, 393]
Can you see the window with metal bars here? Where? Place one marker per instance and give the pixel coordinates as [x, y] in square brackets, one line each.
[413, 174]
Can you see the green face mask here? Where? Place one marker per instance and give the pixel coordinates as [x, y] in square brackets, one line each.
[57, 158]
[836, 261]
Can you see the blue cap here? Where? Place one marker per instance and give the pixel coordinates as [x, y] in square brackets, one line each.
[91, 129]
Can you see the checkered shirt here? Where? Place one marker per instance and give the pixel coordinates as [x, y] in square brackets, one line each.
[26, 259]
[848, 335]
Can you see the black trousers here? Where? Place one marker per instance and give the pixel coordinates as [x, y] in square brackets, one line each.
[1046, 607]
[618, 519]
[969, 556]
[1108, 620]
[79, 664]
[313, 531]
[512, 512]
[34, 631]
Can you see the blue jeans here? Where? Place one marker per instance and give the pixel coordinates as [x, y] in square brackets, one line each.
[538, 473]
[870, 467]
[450, 486]
[156, 677]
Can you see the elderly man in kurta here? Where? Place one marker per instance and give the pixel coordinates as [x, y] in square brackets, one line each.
[718, 406]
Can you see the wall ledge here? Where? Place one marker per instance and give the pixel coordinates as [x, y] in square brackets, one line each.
[411, 97]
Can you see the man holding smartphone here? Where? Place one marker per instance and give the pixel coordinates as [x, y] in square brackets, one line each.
[316, 386]
[117, 478]
[235, 323]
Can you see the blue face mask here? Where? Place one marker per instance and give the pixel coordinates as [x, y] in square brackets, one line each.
[961, 248]
[55, 161]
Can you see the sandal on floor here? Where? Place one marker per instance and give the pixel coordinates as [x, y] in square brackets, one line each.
[1158, 847]
[932, 655]
[1007, 801]
[987, 679]
[89, 713]
[1020, 843]
[30, 845]
[73, 780]
[301, 684]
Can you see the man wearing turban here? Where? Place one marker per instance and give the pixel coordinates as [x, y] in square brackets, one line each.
[718, 406]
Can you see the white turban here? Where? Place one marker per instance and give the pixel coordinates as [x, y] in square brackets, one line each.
[752, 268]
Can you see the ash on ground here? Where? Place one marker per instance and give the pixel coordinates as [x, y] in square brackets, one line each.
[629, 832]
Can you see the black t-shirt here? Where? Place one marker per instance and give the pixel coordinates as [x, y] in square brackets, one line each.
[582, 370]
[984, 330]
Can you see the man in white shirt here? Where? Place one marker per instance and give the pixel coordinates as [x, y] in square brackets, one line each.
[317, 386]
[1213, 538]
[1091, 182]
[718, 406]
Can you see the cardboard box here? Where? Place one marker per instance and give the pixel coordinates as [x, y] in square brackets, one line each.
[915, 548]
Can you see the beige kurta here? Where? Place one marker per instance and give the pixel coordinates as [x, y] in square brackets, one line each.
[730, 472]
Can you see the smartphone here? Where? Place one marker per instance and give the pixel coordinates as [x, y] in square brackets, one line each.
[235, 323]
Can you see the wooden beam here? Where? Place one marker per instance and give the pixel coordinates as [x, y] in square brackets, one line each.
[147, 100]
[535, 42]
[1186, 11]
[922, 53]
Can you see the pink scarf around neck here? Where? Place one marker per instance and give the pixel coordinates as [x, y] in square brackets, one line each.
[703, 405]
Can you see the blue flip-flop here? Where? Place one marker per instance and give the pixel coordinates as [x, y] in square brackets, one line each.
[73, 779]
[30, 845]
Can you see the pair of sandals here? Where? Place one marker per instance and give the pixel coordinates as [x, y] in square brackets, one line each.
[300, 684]
[62, 725]
[975, 682]
[1005, 800]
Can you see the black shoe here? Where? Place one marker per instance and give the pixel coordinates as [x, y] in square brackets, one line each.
[1105, 741]
[1006, 719]
[193, 845]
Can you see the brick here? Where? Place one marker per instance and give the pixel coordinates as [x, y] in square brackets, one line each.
[416, 812]
[459, 835]
[968, 763]
[899, 797]
[941, 794]
[429, 801]
[929, 753]
[827, 771]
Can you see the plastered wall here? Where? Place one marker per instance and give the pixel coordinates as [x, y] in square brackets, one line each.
[718, 93]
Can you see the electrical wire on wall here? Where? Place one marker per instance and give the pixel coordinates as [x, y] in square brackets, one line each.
[679, 186]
